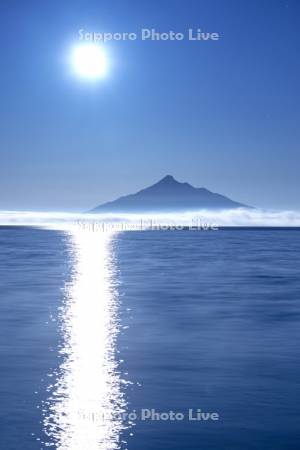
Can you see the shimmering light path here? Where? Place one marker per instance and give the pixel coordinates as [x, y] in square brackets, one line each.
[86, 403]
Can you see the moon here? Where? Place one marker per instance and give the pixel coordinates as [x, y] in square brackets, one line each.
[89, 61]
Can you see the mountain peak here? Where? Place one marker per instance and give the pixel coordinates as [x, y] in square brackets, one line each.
[168, 179]
[169, 194]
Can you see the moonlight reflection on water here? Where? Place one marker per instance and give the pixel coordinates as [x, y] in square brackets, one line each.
[86, 402]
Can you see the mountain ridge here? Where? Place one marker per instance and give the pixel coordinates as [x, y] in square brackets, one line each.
[169, 195]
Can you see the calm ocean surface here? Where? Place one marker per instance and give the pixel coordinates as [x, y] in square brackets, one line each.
[163, 320]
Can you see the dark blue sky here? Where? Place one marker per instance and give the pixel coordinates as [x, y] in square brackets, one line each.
[224, 115]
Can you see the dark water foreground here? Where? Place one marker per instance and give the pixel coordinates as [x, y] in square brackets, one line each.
[208, 320]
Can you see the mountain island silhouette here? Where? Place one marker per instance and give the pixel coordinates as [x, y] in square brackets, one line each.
[168, 195]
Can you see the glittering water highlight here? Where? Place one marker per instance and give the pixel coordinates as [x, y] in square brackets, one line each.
[86, 402]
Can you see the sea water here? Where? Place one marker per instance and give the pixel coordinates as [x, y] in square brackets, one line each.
[135, 339]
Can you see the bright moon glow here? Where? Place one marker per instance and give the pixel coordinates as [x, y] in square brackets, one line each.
[89, 61]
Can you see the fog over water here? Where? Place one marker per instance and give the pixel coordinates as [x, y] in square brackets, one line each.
[233, 217]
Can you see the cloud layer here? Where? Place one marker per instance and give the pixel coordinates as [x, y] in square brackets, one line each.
[235, 217]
